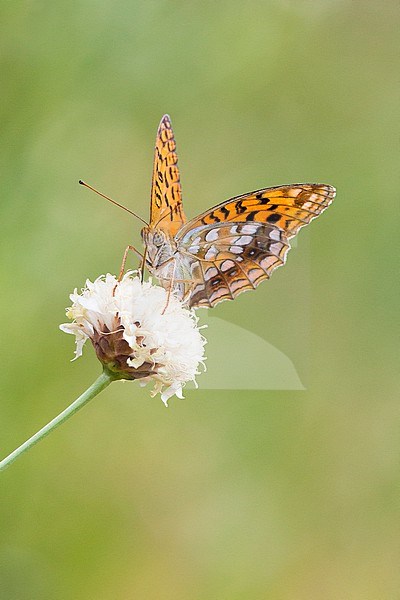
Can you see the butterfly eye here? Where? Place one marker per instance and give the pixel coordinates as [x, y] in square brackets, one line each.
[158, 239]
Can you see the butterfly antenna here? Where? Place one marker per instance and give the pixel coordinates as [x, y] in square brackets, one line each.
[112, 201]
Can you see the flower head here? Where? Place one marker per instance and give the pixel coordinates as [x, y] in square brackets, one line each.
[138, 332]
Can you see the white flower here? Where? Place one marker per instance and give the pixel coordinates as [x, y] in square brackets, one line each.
[138, 332]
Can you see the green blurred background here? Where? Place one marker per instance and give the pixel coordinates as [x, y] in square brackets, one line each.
[229, 494]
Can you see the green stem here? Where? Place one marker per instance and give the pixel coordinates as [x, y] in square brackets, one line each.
[101, 382]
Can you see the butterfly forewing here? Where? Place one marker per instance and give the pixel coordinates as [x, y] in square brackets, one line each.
[288, 207]
[166, 212]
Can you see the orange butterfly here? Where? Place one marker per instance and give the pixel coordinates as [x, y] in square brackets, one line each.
[231, 247]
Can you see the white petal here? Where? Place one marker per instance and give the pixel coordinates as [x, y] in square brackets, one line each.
[158, 329]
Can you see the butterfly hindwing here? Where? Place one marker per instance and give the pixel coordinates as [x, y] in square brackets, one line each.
[228, 259]
[166, 211]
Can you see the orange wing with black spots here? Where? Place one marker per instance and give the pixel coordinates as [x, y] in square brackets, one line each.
[288, 207]
[166, 211]
[231, 247]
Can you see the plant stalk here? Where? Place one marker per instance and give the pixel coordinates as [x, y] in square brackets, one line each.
[101, 382]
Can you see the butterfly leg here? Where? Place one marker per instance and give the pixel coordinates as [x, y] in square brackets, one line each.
[172, 282]
[122, 270]
[142, 266]
[170, 288]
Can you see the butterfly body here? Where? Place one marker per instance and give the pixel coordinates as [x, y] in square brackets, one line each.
[163, 260]
[230, 248]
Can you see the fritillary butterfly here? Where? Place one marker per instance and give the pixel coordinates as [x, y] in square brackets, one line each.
[229, 248]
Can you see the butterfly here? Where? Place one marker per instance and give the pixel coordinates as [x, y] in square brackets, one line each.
[230, 248]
